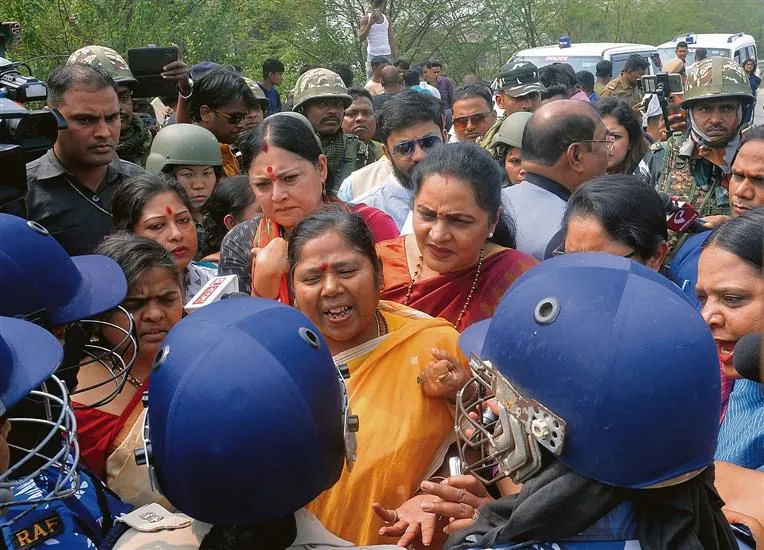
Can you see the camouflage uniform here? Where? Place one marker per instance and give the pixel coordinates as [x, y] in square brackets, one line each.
[620, 88]
[689, 169]
[135, 141]
[516, 79]
[345, 152]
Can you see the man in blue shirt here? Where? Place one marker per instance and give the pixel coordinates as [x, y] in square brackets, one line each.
[273, 75]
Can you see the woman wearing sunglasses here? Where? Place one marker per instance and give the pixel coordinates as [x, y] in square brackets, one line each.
[287, 171]
[458, 262]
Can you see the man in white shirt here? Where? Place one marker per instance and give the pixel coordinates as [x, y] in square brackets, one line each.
[378, 33]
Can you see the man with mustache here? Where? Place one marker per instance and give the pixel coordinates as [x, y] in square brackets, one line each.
[746, 191]
[71, 186]
[134, 137]
[696, 167]
[322, 97]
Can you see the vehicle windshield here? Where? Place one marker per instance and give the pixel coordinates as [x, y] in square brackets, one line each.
[579, 63]
[585, 63]
[667, 54]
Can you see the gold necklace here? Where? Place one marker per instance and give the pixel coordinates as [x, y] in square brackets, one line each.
[469, 295]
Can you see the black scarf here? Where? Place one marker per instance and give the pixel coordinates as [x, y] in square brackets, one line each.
[559, 503]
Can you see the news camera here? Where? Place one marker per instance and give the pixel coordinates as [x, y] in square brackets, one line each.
[24, 134]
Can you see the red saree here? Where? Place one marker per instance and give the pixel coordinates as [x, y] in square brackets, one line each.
[98, 431]
[444, 296]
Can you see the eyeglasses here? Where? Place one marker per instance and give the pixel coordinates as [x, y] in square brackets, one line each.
[560, 251]
[233, 118]
[407, 148]
[610, 141]
[477, 118]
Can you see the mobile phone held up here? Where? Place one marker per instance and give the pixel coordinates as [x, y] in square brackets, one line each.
[147, 64]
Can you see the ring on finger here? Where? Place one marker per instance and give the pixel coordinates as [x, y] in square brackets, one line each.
[395, 519]
[475, 514]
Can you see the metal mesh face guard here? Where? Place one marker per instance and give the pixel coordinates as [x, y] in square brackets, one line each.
[493, 448]
[115, 362]
[59, 465]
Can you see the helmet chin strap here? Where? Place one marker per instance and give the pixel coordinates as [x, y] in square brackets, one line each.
[703, 139]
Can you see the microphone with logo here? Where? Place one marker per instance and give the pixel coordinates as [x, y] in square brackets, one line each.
[214, 290]
[683, 218]
[747, 358]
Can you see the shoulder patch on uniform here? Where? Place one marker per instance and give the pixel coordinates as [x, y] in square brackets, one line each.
[38, 532]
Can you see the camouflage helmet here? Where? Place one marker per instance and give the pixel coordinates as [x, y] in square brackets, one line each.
[320, 83]
[717, 77]
[107, 60]
[258, 93]
[511, 130]
[180, 144]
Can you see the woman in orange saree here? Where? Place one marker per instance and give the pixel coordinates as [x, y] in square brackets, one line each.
[458, 263]
[403, 367]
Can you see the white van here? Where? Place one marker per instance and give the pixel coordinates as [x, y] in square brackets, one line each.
[738, 46]
[584, 57]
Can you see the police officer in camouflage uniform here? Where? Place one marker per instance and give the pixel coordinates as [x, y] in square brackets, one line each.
[134, 137]
[695, 167]
[518, 89]
[322, 97]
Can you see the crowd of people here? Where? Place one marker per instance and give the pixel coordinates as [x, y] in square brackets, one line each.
[480, 316]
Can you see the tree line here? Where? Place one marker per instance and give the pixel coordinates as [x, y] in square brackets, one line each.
[467, 37]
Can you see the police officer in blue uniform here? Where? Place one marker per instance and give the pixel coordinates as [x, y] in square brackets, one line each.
[55, 500]
[248, 422]
[52, 505]
[607, 387]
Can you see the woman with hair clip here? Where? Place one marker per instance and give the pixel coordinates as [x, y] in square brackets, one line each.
[109, 433]
[231, 203]
[459, 261]
[158, 208]
[287, 170]
[630, 143]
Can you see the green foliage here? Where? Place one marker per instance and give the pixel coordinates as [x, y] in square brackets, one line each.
[468, 37]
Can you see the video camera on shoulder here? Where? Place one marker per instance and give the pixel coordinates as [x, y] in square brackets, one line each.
[24, 134]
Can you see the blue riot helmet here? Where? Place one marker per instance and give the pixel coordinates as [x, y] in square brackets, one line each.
[47, 287]
[29, 355]
[597, 361]
[248, 418]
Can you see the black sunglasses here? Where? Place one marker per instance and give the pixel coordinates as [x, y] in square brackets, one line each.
[234, 118]
[407, 148]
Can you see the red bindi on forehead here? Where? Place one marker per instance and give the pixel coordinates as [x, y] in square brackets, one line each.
[324, 267]
[168, 210]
